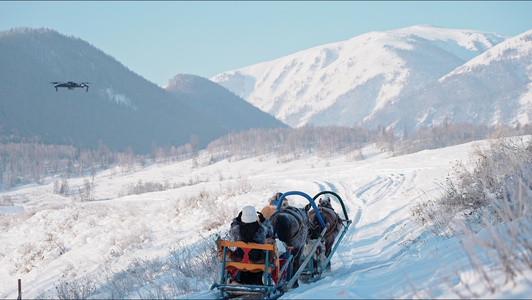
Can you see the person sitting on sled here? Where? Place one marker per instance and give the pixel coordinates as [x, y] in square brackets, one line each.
[250, 227]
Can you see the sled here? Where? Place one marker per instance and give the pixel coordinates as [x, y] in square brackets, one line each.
[275, 270]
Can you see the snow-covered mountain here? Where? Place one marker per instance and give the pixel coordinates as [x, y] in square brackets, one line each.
[373, 79]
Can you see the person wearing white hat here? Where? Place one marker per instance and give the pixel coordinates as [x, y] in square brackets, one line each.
[249, 214]
[249, 227]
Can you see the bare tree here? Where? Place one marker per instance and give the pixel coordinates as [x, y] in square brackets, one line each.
[194, 145]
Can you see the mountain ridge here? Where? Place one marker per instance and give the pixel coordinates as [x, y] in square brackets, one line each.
[492, 88]
[354, 82]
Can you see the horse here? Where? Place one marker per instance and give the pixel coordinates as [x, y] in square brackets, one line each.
[268, 210]
[329, 216]
[249, 227]
[290, 224]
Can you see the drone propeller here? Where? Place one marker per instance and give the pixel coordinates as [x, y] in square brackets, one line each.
[55, 83]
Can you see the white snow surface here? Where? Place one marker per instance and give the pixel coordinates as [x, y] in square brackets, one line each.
[385, 253]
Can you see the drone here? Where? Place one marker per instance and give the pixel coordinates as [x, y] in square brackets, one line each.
[70, 85]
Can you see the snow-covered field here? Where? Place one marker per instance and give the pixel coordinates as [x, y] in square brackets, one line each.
[385, 253]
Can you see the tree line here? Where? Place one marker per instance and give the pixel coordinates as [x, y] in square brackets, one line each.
[31, 162]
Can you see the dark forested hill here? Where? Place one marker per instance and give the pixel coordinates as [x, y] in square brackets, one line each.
[121, 108]
[218, 102]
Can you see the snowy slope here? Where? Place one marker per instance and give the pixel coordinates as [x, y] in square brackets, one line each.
[347, 82]
[509, 64]
[385, 254]
[493, 88]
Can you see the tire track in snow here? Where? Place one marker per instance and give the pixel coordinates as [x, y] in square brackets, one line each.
[376, 230]
[328, 186]
[374, 244]
[339, 189]
[380, 187]
[373, 192]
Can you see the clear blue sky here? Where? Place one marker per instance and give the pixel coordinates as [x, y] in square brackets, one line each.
[159, 39]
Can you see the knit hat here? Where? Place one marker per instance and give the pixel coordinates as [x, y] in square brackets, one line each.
[249, 214]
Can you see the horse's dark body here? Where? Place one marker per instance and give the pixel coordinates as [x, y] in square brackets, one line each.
[291, 226]
[329, 216]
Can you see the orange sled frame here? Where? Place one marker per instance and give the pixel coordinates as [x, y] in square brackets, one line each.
[275, 273]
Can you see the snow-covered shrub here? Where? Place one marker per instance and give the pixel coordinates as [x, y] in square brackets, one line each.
[480, 189]
[184, 270]
[86, 191]
[220, 212]
[6, 201]
[131, 235]
[213, 204]
[76, 289]
[239, 187]
[193, 265]
[491, 204]
[194, 201]
[30, 255]
[146, 187]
